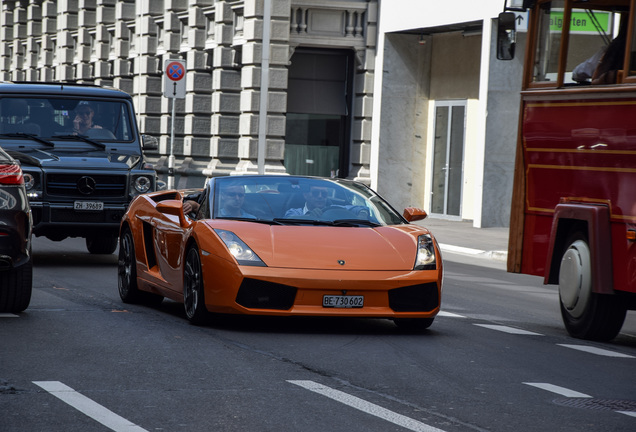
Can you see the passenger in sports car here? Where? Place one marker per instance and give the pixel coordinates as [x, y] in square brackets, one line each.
[316, 201]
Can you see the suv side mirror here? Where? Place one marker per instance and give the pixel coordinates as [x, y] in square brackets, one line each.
[506, 36]
[148, 142]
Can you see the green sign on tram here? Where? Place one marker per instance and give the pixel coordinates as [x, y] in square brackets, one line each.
[581, 22]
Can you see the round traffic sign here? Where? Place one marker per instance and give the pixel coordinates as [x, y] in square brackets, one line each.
[175, 71]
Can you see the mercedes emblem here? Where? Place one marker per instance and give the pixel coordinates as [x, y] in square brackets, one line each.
[86, 185]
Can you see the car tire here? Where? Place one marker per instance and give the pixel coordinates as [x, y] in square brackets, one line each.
[127, 274]
[16, 286]
[193, 292]
[413, 324]
[101, 244]
[586, 314]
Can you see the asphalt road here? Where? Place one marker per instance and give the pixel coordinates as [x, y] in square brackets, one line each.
[496, 359]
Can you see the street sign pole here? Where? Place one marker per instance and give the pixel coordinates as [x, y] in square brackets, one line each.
[173, 88]
[171, 156]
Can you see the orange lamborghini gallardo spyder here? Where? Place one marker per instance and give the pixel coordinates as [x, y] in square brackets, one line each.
[280, 245]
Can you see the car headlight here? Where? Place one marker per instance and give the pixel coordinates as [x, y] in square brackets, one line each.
[239, 250]
[142, 184]
[32, 186]
[425, 258]
[29, 181]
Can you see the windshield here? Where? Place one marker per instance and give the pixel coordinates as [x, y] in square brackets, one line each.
[63, 118]
[299, 201]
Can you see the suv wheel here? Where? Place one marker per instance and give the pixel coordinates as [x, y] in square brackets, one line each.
[102, 244]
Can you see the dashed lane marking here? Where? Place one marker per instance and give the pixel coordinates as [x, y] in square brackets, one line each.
[88, 407]
[511, 330]
[450, 315]
[367, 407]
[558, 390]
[597, 351]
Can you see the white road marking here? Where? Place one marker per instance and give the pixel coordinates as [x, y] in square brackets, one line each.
[629, 413]
[559, 390]
[460, 249]
[89, 407]
[8, 315]
[597, 351]
[507, 329]
[367, 407]
[450, 315]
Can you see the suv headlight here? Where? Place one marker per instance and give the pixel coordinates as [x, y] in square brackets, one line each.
[142, 184]
[425, 258]
[32, 186]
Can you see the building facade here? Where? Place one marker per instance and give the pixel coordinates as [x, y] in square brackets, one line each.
[404, 95]
[319, 65]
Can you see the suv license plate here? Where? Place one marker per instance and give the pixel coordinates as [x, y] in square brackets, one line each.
[333, 301]
[89, 205]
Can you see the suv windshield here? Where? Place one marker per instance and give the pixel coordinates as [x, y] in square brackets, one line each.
[292, 200]
[48, 118]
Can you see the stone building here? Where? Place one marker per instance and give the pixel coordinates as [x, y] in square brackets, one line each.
[319, 68]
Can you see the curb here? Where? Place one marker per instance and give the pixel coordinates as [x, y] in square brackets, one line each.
[493, 255]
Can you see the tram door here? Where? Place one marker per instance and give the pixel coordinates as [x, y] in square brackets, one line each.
[448, 158]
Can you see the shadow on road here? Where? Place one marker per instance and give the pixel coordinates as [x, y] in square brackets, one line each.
[70, 252]
[296, 325]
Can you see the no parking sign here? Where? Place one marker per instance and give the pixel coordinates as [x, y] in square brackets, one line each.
[174, 85]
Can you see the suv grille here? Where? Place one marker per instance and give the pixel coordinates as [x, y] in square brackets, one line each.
[83, 186]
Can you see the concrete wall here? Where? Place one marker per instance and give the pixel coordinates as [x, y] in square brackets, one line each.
[403, 129]
[501, 135]
[459, 67]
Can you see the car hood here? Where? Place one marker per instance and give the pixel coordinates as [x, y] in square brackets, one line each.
[85, 158]
[387, 248]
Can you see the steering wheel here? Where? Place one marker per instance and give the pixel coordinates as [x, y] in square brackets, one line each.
[335, 212]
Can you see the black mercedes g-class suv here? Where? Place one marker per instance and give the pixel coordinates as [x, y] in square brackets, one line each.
[81, 155]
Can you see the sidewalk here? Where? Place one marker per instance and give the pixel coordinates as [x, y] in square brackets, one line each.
[462, 238]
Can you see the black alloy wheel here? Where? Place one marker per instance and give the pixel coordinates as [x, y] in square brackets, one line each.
[193, 293]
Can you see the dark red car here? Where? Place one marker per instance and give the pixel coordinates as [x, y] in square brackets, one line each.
[16, 267]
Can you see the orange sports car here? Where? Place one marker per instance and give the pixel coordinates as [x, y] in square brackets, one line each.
[280, 245]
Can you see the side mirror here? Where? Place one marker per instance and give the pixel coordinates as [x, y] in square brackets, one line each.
[148, 142]
[174, 208]
[412, 214]
[506, 36]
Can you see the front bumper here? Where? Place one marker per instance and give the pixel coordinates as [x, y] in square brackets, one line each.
[53, 219]
[287, 292]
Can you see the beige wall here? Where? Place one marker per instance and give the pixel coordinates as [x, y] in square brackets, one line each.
[455, 66]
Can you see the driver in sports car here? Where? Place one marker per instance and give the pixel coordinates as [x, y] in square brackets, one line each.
[232, 198]
[316, 202]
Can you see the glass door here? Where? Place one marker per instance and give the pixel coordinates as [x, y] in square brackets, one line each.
[317, 132]
[448, 158]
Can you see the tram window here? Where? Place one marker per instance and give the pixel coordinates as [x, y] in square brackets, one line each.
[596, 47]
[546, 59]
[632, 54]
